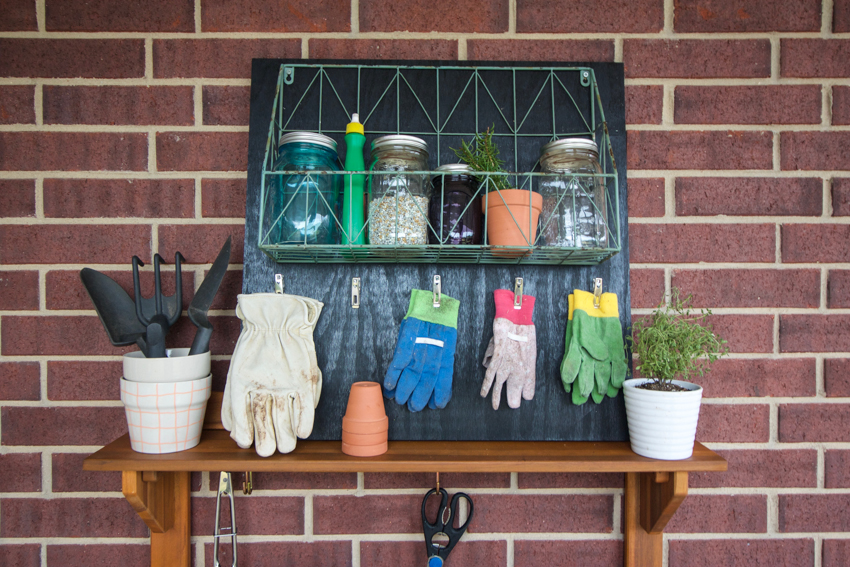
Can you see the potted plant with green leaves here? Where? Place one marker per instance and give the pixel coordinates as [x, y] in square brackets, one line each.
[509, 221]
[671, 346]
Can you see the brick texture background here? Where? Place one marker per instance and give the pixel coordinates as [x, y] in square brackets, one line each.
[123, 130]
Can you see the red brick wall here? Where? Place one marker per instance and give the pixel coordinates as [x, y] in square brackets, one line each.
[123, 130]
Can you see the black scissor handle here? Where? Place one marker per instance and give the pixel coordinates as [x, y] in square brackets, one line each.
[449, 528]
[443, 524]
[437, 524]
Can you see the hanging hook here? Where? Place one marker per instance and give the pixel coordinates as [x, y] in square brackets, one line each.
[518, 293]
[438, 482]
[278, 283]
[597, 292]
[225, 488]
[436, 288]
[248, 483]
[355, 293]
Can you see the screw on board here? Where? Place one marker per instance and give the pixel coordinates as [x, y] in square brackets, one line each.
[288, 75]
[585, 78]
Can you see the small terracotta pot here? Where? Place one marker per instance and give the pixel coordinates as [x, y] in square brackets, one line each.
[364, 450]
[507, 219]
[364, 439]
[365, 402]
[365, 427]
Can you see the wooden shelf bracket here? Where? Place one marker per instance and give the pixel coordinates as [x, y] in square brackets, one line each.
[651, 499]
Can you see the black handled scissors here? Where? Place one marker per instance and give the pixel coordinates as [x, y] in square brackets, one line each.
[444, 524]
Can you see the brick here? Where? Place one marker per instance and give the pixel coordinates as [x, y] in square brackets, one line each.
[737, 423]
[21, 472]
[65, 290]
[336, 553]
[836, 377]
[17, 104]
[539, 50]
[383, 49]
[649, 149]
[69, 476]
[61, 335]
[646, 197]
[466, 16]
[18, 15]
[814, 513]
[815, 243]
[740, 513]
[269, 16]
[219, 369]
[18, 291]
[750, 288]
[385, 514]
[570, 480]
[769, 104]
[814, 150]
[841, 104]
[70, 517]
[98, 555]
[102, 198]
[841, 197]
[841, 16]
[201, 244]
[83, 380]
[73, 151]
[835, 552]
[824, 423]
[749, 196]
[745, 333]
[644, 104]
[410, 553]
[732, 552]
[836, 468]
[815, 58]
[64, 244]
[88, 58]
[746, 16]
[105, 16]
[814, 333]
[227, 106]
[295, 481]
[20, 381]
[532, 553]
[786, 377]
[540, 16]
[258, 515]
[757, 468]
[231, 286]
[26, 555]
[657, 243]
[217, 58]
[696, 58]
[573, 513]
[17, 198]
[118, 105]
[838, 289]
[62, 426]
[223, 198]
[426, 480]
[202, 151]
[647, 287]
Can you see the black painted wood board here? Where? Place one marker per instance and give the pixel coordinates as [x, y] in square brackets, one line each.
[357, 344]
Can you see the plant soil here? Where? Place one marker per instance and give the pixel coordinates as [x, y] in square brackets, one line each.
[662, 387]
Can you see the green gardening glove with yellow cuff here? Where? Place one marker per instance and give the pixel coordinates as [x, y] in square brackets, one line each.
[594, 362]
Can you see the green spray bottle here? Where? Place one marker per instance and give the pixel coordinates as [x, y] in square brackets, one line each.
[352, 206]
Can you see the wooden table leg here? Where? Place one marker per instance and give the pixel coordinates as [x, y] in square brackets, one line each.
[651, 499]
[163, 500]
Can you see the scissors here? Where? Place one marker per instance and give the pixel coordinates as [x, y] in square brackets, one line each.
[444, 524]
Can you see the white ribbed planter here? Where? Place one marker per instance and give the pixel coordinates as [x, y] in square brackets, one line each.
[662, 425]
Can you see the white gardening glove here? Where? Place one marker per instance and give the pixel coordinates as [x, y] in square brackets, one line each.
[274, 382]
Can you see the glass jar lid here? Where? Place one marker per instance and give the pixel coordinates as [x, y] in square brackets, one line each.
[571, 144]
[411, 142]
[455, 168]
[308, 138]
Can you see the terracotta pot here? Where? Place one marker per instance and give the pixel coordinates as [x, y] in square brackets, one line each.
[507, 219]
[365, 402]
[365, 427]
[364, 450]
[364, 439]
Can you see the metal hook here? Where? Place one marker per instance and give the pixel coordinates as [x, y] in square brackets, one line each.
[517, 293]
[597, 292]
[436, 288]
[225, 488]
[438, 482]
[248, 483]
[278, 283]
[355, 293]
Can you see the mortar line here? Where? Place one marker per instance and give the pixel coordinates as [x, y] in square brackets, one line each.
[512, 16]
[355, 552]
[773, 423]
[149, 60]
[618, 50]
[818, 550]
[462, 53]
[776, 338]
[308, 516]
[772, 515]
[198, 22]
[669, 18]
[667, 106]
[775, 61]
[778, 242]
[826, 105]
[827, 7]
[38, 103]
[199, 199]
[305, 48]
[44, 394]
[820, 382]
[510, 550]
[821, 469]
[355, 17]
[669, 197]
[41, 22]
[46, 472]
[39, 197]
[824, 288]
[198, 103]
[668, 283]
[152, 151]
[42, 289]
[826, 209]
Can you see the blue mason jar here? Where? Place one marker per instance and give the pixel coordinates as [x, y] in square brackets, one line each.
[300, 205]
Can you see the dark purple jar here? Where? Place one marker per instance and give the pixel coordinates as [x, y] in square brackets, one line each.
[457, 186]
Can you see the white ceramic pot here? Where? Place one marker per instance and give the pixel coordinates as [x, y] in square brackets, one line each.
[662, 425]
[178, 366]
[165, 418]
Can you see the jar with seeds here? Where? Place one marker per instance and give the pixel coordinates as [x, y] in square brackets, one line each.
[398, 197]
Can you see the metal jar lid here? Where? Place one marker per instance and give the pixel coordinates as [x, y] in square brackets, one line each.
[308, 138]
[455, 168]
[571, 144]
[400, 140]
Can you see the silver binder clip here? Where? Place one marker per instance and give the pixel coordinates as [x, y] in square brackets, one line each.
[355, 293]
[225, 488]
[437, 291]
[597, 292]
[517, 293]
[278, 283]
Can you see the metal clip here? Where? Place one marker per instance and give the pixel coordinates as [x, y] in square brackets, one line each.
[288, 75]
[355, 293]
[225, 488]
[517, 293]
[248, 483]
[597, 292]
[278, 283]
[437, 291]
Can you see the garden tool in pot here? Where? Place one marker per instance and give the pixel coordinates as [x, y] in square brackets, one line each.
[166, 309]
[274, 381]
[115, 309]
[443, 525]
[203, 299]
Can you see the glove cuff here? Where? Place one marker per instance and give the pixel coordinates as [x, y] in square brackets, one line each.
[607, 304]
[505, 307]
[422, 308]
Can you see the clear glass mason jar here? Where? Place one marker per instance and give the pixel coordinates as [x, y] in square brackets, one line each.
[299, 206]
[398, 202]
[573, 206]
[455, 205]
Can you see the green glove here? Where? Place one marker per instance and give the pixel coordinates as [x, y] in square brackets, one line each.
[594, 363]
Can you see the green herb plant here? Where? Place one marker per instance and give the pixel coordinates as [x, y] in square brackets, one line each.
[481, 154]
[675, 342]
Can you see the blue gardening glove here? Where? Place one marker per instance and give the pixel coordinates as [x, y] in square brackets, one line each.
[420, 373]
